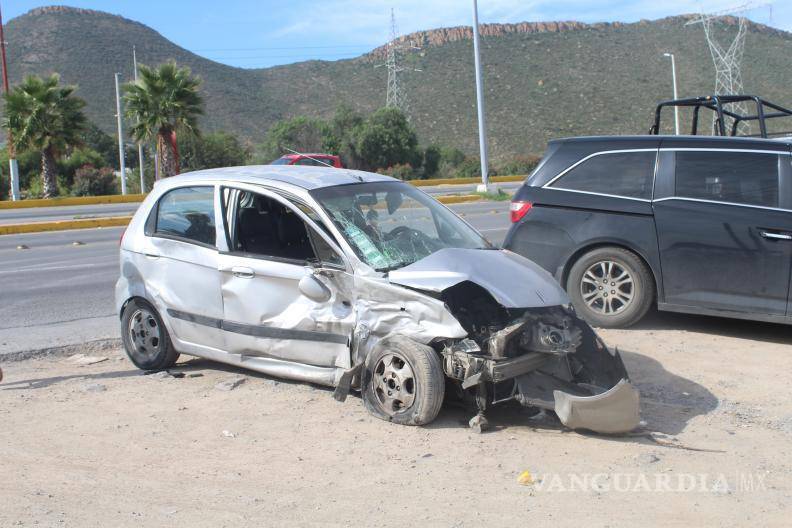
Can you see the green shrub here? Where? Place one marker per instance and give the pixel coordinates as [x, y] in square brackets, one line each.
[402, 171]
[431, 161]
[520, 165]
[90, 181]
[471, 168]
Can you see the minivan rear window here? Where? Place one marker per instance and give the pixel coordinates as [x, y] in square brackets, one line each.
[628, 174]
[747, 178]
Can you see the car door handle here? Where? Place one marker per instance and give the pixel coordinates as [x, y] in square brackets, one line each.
[775, 236]
[242, 272]
[151, 255]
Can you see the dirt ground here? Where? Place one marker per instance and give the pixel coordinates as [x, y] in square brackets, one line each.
[104, 445]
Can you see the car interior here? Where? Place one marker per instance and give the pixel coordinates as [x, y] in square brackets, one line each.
[266, 227]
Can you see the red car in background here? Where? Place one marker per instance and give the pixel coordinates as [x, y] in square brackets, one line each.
[313, 160]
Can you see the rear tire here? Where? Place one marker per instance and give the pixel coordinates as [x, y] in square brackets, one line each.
[145, 337]
[403, 382]
[611, 287]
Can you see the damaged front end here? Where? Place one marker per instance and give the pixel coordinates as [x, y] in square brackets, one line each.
[542, 356]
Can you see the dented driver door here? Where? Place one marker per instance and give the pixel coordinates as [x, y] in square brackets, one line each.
[272, 247]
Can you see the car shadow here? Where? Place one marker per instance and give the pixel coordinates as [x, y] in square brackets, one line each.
[41, 383]
[723, 326]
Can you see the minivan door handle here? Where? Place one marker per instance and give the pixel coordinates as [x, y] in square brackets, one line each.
[774, 236]
[242, 272]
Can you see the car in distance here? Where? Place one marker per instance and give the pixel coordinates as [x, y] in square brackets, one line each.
[357, 281]
[690, 224]
[310, 160]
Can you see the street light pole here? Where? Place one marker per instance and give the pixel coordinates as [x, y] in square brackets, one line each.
[140, 145]
[120, 137]
[482, 124]
[676, 95]
[13, 167]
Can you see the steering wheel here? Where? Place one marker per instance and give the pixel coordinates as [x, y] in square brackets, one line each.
[401, 231]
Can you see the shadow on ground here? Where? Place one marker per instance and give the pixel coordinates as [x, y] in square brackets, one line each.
[753, 330]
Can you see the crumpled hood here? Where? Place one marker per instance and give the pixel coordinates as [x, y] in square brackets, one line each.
[514, 281]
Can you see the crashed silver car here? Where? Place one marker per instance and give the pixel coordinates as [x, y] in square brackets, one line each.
[359, 282]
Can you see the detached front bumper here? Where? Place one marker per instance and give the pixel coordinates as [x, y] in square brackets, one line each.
[616, 410]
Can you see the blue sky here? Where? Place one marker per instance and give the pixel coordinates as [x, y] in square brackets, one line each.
[249, 33]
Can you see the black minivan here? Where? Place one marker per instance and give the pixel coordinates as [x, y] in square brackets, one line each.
[694, 224]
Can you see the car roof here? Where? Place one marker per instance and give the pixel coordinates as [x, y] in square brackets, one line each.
[301, 176]
[651, 141]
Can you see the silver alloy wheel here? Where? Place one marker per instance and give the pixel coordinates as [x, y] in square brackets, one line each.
[607, 287]
[394, 384]
[144, 334]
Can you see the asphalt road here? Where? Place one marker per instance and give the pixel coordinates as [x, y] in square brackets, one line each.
[56, 292]
[49, 214]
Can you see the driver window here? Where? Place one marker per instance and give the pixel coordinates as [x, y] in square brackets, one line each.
[259, 225]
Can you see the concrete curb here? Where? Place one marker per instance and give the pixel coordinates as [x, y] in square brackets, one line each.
[72, 200]
[99, 345]
[465, 181]
[63, 225]
[117, 221]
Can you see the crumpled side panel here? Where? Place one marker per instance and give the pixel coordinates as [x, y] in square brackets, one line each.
[384, 309]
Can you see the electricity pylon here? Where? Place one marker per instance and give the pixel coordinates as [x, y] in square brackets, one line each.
[728, 61]
[395, 96]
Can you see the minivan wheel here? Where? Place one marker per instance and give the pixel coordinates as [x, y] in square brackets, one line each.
[403, 382]
[610, 287]
[145, 338]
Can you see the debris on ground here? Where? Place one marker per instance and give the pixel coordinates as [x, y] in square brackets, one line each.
[525, 478]
[228, 434]
[94, 387]
[82, 359]
[230, 383]
[479, 423]
[161, 375]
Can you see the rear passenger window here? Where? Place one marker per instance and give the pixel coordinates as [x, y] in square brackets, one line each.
[736, 177]
[628, 174]
[187, 213]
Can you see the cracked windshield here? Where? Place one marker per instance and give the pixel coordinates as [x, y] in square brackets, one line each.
[390, 224]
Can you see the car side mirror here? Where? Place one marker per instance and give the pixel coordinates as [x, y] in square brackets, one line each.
[314, 289]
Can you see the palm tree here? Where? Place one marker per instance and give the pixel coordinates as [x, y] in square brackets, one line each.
[161, 102]
[43, 115]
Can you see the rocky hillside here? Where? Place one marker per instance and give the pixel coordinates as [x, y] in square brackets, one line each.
[542, 80]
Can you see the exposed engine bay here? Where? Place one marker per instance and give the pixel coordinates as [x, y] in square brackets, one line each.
[540, 357]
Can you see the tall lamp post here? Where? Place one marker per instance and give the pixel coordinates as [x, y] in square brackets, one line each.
[482, 124]
[121, 165]
[676, 95]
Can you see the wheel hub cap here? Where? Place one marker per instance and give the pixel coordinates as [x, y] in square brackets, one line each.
[144, 334]
[394, 384]
[607, 287]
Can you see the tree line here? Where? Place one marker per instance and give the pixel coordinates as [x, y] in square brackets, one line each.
[61, 152]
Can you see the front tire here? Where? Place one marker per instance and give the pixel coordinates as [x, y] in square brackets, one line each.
[611, 287]
[403, 382]
[145, 337]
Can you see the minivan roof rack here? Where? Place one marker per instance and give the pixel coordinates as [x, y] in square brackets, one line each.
[763, 111]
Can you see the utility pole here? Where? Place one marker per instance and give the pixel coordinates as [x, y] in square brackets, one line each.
[12, 162]
[482, 124]
[676, 94]
[140, 145]
[120, 137]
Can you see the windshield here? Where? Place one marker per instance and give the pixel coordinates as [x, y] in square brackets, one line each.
[392, 224]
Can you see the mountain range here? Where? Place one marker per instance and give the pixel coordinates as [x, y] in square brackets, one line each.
[542, 79]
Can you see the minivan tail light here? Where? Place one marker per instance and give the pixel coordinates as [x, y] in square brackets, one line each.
[518, 210]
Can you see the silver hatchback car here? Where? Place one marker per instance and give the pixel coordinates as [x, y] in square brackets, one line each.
[359, 282]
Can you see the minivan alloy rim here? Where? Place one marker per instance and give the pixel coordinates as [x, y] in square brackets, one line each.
[394, 383]
[607, 287]
[144, 334]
